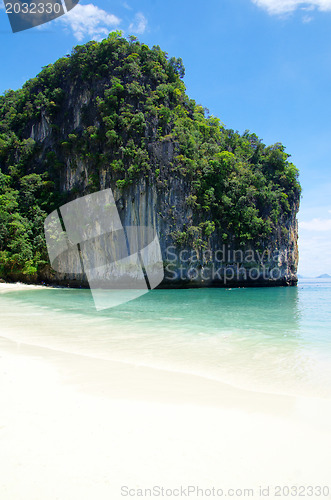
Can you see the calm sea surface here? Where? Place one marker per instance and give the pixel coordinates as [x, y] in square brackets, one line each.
[271, 339]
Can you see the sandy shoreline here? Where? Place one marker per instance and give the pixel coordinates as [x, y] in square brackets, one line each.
[77, 427]
[22, 286]
[73, 427]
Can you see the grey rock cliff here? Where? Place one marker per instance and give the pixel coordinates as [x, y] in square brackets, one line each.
[159, 199]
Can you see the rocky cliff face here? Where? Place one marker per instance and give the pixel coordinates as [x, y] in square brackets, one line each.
[214, 264]
[170, 168]
[163, 207]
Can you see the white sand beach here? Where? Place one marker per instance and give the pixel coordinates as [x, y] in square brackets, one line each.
[74, 427]
[80, 428]
[18, 286]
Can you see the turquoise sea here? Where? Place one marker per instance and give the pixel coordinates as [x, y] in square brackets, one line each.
[275, 340]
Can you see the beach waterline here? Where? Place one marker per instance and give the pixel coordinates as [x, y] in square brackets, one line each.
[275, 340]
[77, 424]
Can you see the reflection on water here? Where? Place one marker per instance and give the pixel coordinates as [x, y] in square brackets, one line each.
[273, 339]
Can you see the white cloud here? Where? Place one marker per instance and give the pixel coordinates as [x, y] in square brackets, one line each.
[316, 225]
[139, 24]
[314, 254]
[315, 241]
[287, 6]
[89, 21]
[127, 6]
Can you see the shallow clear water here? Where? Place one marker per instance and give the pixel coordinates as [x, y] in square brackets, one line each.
[271, 339]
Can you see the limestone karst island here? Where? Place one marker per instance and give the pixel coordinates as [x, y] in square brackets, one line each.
[116, 115]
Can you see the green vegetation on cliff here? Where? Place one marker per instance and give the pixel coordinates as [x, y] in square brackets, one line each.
[131, 98]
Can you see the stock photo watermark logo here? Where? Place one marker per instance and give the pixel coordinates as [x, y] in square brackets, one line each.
[25, 14]
[87, 236]
[87, 241]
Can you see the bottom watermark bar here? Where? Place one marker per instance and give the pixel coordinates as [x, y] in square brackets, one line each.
[199, 492]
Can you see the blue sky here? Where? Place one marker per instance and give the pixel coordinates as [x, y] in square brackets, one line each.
[262, 65]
